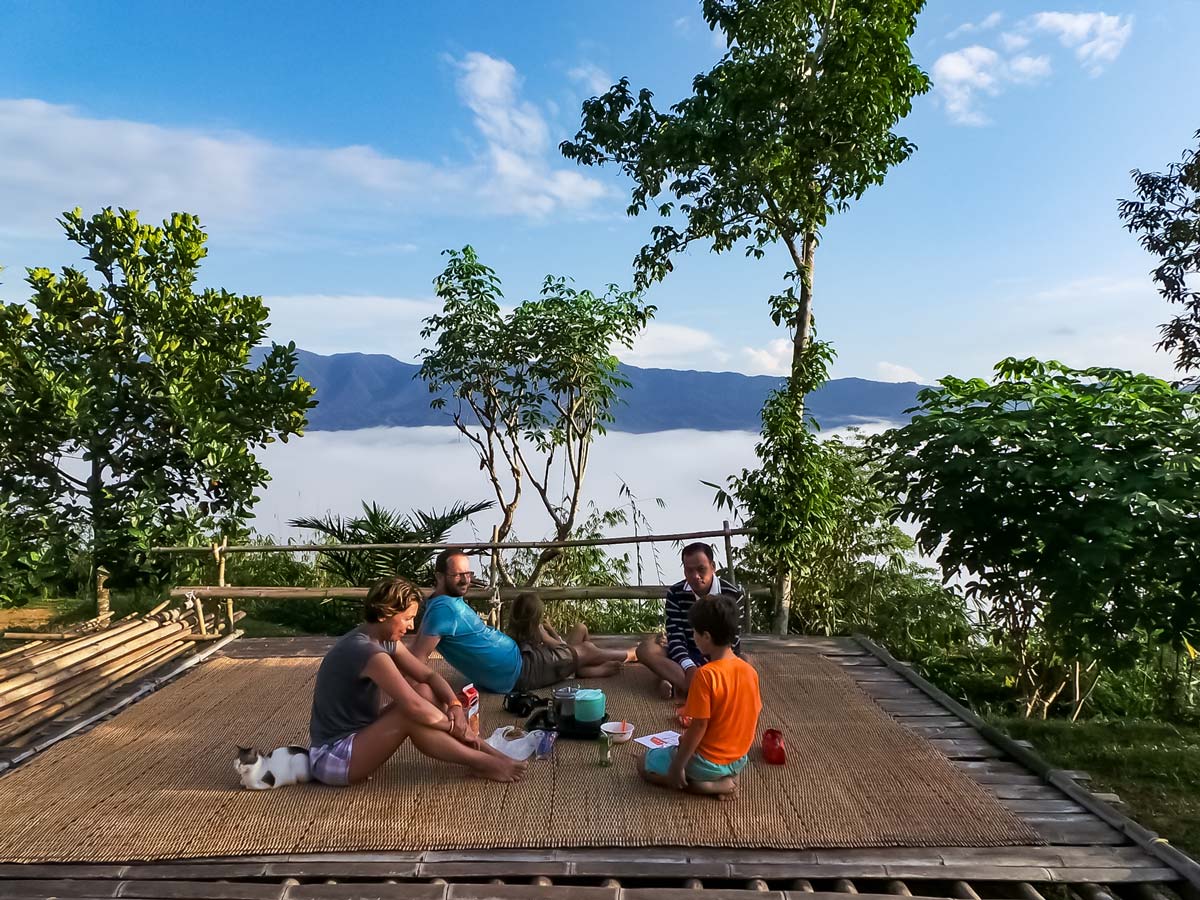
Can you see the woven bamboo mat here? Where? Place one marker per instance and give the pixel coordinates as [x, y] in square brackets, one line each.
[157, 781]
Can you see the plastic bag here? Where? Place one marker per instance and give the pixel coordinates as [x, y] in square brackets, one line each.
[522, 746]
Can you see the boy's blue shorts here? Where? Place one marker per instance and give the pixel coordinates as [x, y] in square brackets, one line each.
[659, 760]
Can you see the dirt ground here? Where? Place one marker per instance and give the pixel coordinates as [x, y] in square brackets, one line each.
[26, 618]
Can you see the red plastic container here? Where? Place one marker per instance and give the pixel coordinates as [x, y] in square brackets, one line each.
[773, 749]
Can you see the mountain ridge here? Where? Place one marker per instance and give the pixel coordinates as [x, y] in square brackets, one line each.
[370, 390]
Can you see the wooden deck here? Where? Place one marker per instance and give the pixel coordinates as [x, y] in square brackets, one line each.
[1090, 847]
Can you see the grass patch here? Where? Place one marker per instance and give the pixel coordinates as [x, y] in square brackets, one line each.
[1153, 766]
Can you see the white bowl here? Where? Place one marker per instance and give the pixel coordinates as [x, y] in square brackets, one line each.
[615, 733]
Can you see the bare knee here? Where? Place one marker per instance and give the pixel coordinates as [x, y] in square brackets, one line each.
[425, 691]
[649, 650]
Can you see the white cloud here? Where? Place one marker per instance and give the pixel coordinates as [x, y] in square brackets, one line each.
[986, 24]
[773, 359]
[324, 323]
[886, 371]
[1097, 37]
[662, 345]
[1028, 69]
[57, 157]
[1097, 320]
[591, 77]
[961, 76]
[1013, 41]
[517, 141]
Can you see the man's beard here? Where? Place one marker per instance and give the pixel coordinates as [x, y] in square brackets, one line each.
[456, 588]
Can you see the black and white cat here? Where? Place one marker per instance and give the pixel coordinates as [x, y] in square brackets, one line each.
[280, 767]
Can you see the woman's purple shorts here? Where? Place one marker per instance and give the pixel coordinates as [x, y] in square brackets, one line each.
[330, 763]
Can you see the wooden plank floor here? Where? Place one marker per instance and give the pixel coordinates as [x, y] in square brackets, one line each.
[1081, 849]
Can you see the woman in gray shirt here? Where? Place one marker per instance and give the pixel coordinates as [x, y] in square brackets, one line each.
[352, 736]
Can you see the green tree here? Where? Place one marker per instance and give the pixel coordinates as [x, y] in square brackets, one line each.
[531, 389]
[1066, 498]
[1167, 216]
[378, 525]
[791, 125]
[129, 412]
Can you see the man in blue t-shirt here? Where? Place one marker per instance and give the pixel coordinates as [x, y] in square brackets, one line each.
[489, 658]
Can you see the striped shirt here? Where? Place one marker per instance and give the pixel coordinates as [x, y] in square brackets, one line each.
[680, 597]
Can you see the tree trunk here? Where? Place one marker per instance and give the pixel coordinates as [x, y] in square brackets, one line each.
[95, 490]
[803, 322]
[802, 328]
[783, 599]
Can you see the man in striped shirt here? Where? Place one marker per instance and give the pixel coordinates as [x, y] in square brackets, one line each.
[676, 660]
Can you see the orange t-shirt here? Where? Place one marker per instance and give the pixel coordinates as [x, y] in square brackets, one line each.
[725, 691]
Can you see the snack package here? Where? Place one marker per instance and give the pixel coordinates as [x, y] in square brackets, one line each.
[469, 697]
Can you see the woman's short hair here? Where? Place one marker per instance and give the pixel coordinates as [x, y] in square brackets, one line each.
[389, 597]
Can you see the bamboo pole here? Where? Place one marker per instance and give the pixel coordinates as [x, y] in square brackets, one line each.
[103, 606]
[54, 651]
[71, 651]
[50, 709]
[147, 687]
[602, 592]
[129, 669]
[24, 649]
[60, 691]
[229, 617]
[38, 636]
[732, 573]
[473, 546]
[15, 702]
[57, 670]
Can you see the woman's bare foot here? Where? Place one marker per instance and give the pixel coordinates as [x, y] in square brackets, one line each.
[631, 655]
[503, 769]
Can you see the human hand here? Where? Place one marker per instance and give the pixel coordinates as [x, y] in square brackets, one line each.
[458, 720]
[689, 676]
[677, 777]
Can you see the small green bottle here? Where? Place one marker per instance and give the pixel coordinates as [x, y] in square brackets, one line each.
[605, 743]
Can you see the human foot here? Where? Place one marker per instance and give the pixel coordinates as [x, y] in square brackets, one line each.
[503, 770]
[665, 690]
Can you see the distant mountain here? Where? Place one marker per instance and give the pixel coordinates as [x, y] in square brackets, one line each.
[360, 390]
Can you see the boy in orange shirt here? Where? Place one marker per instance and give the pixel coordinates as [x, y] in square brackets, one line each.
[723, 703]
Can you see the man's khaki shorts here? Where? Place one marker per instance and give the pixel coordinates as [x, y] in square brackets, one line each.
[544, 665]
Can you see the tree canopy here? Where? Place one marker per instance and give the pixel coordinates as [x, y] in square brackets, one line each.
[1066, 498]
[1167, 216]
[791, 125]
[129, 408]
[530, 388]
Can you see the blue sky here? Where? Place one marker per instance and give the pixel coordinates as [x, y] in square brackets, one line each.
[334, 150]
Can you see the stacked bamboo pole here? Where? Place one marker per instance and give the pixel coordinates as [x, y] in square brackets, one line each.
[42, 679]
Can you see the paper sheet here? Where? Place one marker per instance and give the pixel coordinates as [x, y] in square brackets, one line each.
[662, 739]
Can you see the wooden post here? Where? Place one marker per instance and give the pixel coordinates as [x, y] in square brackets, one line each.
[103, 606]
[219, 556]
[494, 581]
[198, 605]
[732, 573]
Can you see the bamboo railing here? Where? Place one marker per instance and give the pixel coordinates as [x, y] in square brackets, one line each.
[494, 593]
